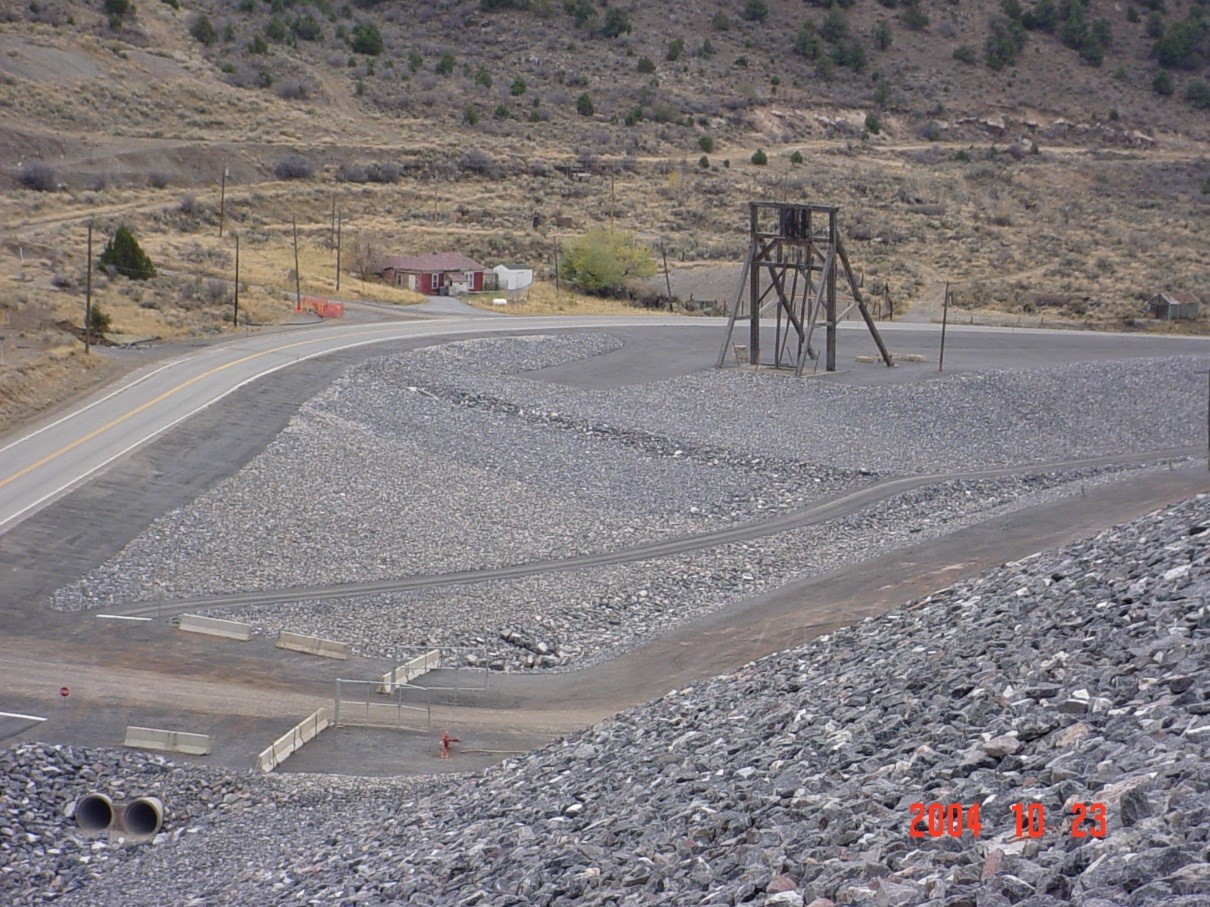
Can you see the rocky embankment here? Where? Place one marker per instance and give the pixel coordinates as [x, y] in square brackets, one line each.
[1071, 685]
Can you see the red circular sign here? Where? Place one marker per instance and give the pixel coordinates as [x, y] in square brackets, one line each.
[64, 692]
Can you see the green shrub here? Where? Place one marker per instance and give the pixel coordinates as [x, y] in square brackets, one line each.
[1005, 40]
[445, 65]
[720, 21]
[704, 162]
[1198, 94]
[584, 105]
[483, 77]
[964, 53]
[470, 114]
[706, 143]
[123, 255]
[807, 42]
[759, 158]
[617, 22]
[99, 321]
[517, 88]
[835, 26]
[366, 39]
[307, 28]
[915, 18]
[882, 35]
[873, 123]
[602, 261]
[756, 10]
[676, 47]
[796, 157]
[202, 30]
[1162, 83]
[645, 66]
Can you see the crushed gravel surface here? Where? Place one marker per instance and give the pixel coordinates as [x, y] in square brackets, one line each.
[1074, 680]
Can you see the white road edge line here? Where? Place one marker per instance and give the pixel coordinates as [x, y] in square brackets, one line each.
[118, 617]
[113, 393]
[16, 517]
[18, 715]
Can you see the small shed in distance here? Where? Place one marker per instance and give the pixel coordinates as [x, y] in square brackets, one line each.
[513, 277]
[1174, 306]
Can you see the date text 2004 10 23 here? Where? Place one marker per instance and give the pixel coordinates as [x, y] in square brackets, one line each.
[936, 820]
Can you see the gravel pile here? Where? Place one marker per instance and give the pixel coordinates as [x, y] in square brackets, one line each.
[453, 457]
[963, 421]
[388, 473]
[1073, 677]
[567, 621]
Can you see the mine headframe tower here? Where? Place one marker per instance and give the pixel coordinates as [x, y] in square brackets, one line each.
[794, 254]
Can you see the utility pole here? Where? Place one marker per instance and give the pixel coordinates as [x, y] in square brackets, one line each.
[945, 317]
[222, 203]
[667, 281]
[557, 288]
[88, 297]
[613, 202]
[297, 277]
[338, 219]
[235, 311]
[332, 234]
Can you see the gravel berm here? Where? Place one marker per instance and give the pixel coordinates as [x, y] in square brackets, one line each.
[1074, 677]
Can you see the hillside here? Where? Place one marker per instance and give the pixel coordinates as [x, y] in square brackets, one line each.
[502, 128]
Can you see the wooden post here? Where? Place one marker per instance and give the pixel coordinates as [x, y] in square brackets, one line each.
[945, 317]
[613, 202]
[753, 296]
[557, 287]
[332, 232]
[667, 280]
[830, 299]
[297, 277]
[235, 311]
[338, 218]
[88, 297]
[222, 202]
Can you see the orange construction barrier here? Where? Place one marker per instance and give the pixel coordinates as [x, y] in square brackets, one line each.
[324, 308]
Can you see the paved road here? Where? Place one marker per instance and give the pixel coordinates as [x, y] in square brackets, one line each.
[56, 456]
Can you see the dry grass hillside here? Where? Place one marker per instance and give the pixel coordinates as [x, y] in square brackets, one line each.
[1068, 185]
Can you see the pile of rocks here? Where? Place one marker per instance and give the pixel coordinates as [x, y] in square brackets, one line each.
[1066, 684]
[568, 620]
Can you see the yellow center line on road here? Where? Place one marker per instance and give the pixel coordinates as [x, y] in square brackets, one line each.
[67, 448]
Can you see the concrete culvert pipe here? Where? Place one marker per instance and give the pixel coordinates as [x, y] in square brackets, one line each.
[94, 812]
[143, 816]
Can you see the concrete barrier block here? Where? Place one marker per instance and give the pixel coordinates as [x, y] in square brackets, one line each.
[288, 743]
[313, 645]
[147, 738]
[213, 626]
[409, 671]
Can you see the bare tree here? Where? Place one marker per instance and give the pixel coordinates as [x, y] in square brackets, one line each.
[363, 257]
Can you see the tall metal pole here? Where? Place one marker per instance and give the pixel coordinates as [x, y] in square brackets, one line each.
[88, 297]
[338, 220]
[235, 311]
[222, 203]
[945, 317]
[297, 278]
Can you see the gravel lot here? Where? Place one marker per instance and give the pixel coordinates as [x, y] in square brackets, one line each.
[1073, 677]
[454, 457]
[566, 621]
